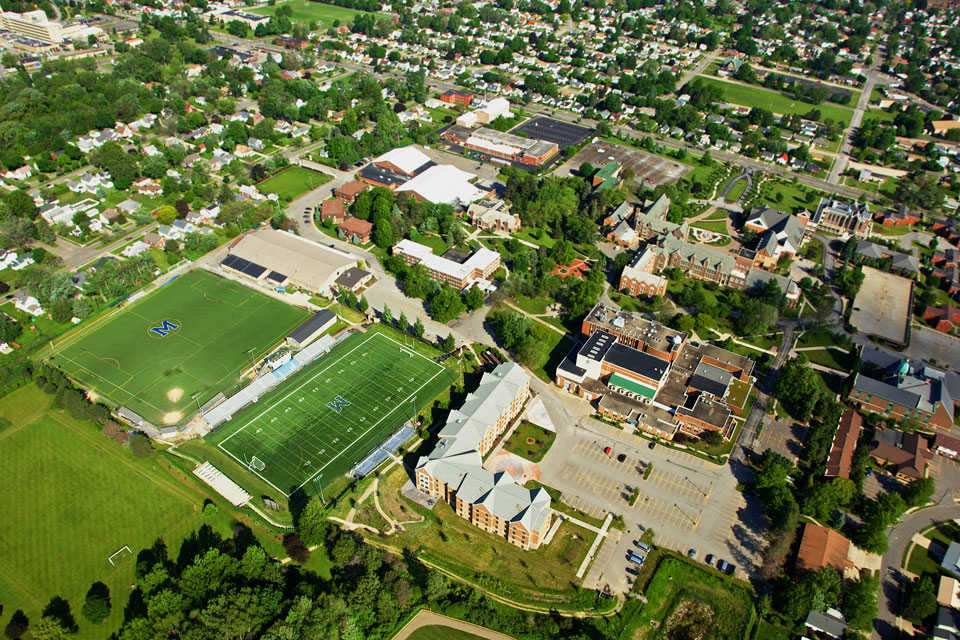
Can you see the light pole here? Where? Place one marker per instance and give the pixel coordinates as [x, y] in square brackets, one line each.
[695, 486]
[692, 521]
[196, 397]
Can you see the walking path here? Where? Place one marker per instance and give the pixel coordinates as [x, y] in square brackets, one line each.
[430, 619]
[533, 317]
[601, 536]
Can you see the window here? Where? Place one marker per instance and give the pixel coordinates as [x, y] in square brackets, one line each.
[856, 394]
[889, 407]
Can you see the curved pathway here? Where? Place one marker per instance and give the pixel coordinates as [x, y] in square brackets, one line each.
[899, 537]
[430, 619]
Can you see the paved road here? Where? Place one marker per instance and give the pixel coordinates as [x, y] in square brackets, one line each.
[898, 538]
[841, 162]
[693, 73]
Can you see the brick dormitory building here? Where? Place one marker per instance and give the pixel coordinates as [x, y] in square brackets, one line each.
[454, 473]
[643, 373]
[664, 245]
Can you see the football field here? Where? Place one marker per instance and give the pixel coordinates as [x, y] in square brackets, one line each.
[317, 425]
[177, 347]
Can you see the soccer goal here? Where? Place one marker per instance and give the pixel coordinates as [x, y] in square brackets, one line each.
[256, 464]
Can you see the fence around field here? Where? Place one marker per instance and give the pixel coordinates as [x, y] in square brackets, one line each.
[222, 412]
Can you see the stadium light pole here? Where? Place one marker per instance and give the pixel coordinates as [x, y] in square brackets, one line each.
[196, 397]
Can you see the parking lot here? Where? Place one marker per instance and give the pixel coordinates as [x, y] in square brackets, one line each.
[650, 170]
[563, 134]
[689, 503]
[785, 437]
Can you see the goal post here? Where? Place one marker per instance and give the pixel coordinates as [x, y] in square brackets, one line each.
[257, 464]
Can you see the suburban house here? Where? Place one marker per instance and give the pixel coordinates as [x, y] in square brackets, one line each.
[349, 191]
[942, 318]
[355, 230]
[333, 209]
[821, 547]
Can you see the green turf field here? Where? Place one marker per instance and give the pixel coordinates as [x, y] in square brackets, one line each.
[752, 96]
[303, 433]
[72, 498]
[440, 632]
[293, 182]
[306, 11]
[222, 327]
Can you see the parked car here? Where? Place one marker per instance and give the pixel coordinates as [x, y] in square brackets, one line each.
[641, 545]
[709, 558]
[692, 554]
[652, 445]
[621, 457]
[633, 571]
[635, 559]
[608, 450]
[723, 565]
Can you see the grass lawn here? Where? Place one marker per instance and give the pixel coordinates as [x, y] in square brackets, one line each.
[765, 342]
[363, 391]
[719, 214]
[736, 191]
[921, 563]
[533, 236]
[536, 306]
[727, 610]
[890, 232]
[822, 338]
[771, 631]
[717, 226]
[215, 328]
[552, 355]
[305, 11]
[438, 632]
[830, 358]
[73, 498]
[752, 96]
[435, 242]
[530, 441]
[793, 196]
[453, 543]
[293, 182]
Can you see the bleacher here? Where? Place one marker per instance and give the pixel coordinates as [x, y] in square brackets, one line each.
[382, 451]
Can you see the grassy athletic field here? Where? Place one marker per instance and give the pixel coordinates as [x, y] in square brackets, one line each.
[322, 421]
[72, 498]
[306, 11]
[293, 182]
[752, 96]
[440, 632]
[222, 326]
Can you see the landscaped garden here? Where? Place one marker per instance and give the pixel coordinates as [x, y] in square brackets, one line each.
[530, 441]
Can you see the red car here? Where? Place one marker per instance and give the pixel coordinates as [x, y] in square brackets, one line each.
[608, 450]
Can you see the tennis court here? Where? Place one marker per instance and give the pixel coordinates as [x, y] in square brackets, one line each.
[315, 426]
[180, 345]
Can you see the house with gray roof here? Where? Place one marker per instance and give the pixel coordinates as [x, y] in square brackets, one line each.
[453, 471]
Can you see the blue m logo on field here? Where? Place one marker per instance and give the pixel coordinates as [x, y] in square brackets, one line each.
[165, 329]
[337, 404]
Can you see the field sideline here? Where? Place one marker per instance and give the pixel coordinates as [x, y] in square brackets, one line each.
[317, 425]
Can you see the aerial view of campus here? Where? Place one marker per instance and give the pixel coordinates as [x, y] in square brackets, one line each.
[480, 319]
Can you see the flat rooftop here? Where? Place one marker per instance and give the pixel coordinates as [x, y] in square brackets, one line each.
[882, 306]
[634, 326]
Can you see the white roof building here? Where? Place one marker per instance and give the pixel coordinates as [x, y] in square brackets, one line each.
[444, 184]
[405, 159]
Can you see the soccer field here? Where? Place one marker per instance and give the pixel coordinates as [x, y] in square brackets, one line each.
[319, 424]
[178, 347]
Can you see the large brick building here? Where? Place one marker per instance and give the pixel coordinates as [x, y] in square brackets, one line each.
[648, 375]
[918, 392]
[453, 472]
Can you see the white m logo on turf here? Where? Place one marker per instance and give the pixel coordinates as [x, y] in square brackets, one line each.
[165, 329]
[338, 403]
